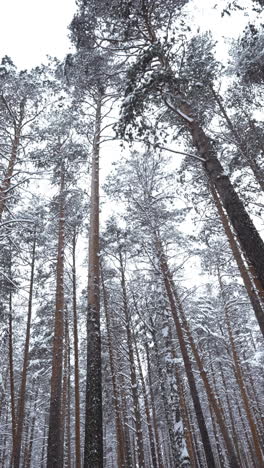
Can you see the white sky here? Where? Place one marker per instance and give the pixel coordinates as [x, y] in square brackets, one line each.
[31, 29]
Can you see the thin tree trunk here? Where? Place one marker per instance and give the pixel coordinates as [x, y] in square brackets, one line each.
[27, 462]
[154, 417]
[76, 358]
[11, 371]
[182, 403]
[21, 402]
[251, 454]
[177, 310]
[42, 460]
[209, 391]
[64, 387]
[129, 463]
[147, 410]
[187, 363]
[133, 376]
[241, 384]
[26, 437]
[67, 394]
[55, 442]
[4, 454]
[236, 438]
[257, 407]
[93, 445]
[167, 407]
[221, 458]
[187, 424]
[121, 462]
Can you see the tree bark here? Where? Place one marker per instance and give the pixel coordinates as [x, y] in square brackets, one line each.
[129, 462]
[133, 376]
[187, 363]
[248, 236]
[28, 460]
[76, 358]
[241, 384]
[11, 370]
[147, 410]
[253, 297]
[121, 461]
[21, 402]
[55, 442]
[209, 391]
[154, 417]
[93, 445]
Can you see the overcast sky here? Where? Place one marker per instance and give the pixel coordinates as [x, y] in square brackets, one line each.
[31, 29]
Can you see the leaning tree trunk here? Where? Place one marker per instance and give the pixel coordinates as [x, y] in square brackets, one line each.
[177, 311]
[240, 381]
[186, 359]
[55, 442]
[209, 391]
[254, 299]
[248, 236]
[21, 402]
[93, 445]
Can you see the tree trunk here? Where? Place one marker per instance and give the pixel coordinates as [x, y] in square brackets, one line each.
[21, 402]
[129, 463]
[68, 393]
[167, 407]
[154, 417]
[121, 462]
[133, 376]
[147, 410]
[209, 391]
[187, 363]
[236, 438]
[93, 445]
[11, 370]
[27, 461]
[3, 455]
[253, 297]
[42, 460]
[55, 442]
[76, 358]
[241, 384]
[187, 424]
[248, 236]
